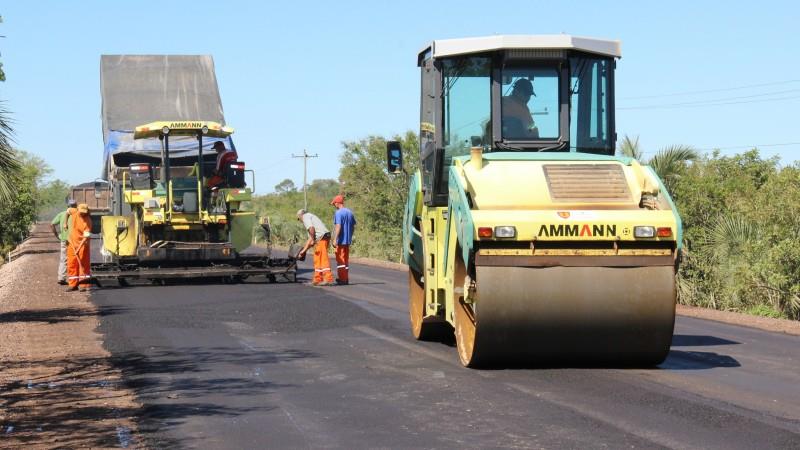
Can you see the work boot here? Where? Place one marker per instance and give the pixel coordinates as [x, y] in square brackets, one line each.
[327, 283]
[342, 282]
[83, 288]
[72, 288]
[62, 282]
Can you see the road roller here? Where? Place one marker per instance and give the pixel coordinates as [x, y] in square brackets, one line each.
[524, 233]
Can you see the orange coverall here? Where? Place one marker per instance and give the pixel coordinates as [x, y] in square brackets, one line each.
[78, 262]
[343, 263]
[322, 265]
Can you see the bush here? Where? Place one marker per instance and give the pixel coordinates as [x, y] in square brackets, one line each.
[32, 198]
[741, 216]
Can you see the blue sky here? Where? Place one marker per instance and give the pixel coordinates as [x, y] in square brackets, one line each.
[295, 75]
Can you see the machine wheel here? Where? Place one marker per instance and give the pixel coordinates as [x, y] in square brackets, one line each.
[564, 315]
[464, 318]
[271, 278]
[423, 329]
[122, 282]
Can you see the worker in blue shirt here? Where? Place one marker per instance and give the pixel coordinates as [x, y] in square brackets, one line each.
[344, 224]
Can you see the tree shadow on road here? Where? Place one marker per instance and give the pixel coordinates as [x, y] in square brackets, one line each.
[178, 386]
[80, 402]
[56, 315]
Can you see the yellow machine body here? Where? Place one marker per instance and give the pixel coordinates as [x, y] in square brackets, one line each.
[525, 233]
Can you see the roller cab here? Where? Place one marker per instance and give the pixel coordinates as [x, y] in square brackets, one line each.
[523, 231]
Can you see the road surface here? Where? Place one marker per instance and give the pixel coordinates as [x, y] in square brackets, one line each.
[290, 365]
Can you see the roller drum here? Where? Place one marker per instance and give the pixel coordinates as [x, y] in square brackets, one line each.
[540, 315]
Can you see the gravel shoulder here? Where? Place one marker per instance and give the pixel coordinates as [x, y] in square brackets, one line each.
[58, 386]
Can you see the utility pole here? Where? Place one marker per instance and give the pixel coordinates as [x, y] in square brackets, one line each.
[305, 157]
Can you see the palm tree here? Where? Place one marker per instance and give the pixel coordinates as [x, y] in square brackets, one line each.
[9, 163]
[630, 147]
[666, 163]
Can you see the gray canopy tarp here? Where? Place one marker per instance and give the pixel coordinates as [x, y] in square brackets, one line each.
[138, 89]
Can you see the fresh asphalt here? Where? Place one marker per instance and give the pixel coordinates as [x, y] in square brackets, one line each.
[259, 365]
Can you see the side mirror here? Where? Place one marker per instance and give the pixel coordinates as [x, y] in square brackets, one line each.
[394, 157]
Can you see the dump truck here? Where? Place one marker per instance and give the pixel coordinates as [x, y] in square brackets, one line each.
[524, 234]
[162, 115]
[97, 196]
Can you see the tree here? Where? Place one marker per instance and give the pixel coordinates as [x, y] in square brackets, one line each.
[740, 215]
[18, 210]
[9, 165]
[286, 185]
[668, 162]
[376, 197]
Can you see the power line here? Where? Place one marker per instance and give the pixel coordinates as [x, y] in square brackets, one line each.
[732, 147]
[710, 103]
[751, 146]
[708, 91]
[738, 97]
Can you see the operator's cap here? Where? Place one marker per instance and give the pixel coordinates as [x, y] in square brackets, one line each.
[83, 208]
[337, 199]
[524, 85]
[72, 203]
[219, 145]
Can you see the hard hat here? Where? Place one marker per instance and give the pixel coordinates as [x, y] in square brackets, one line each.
[300, 212]
[72, 203]
[337, 199]
[83, 208]
[525, 86]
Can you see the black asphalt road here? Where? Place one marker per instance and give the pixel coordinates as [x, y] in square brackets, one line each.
[290, 365]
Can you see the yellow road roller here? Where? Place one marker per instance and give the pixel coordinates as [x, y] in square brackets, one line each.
[523, 230]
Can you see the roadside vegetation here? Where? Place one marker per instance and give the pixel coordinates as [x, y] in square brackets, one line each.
[32, 196]
[741, 216]
[376, 198]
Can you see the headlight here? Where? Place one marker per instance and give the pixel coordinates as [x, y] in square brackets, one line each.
[506, 231]
[644, 232]
[165, 130]
[204, 130]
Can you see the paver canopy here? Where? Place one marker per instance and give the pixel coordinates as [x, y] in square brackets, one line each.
[138, 89]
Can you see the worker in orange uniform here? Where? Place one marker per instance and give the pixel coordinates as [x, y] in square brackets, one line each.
[320, 238]
[344, 224]
[78, 248]
[224, 157]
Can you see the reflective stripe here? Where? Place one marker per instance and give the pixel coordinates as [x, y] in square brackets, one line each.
[80, 277]
[322, 270]
[339, 267]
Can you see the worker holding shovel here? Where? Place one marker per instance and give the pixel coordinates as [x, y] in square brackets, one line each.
[78, 245]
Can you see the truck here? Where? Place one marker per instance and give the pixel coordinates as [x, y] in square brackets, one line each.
[525, 235]
[162, 115]
[97, 196]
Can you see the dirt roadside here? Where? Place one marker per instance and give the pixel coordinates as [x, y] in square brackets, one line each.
[58, 387]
